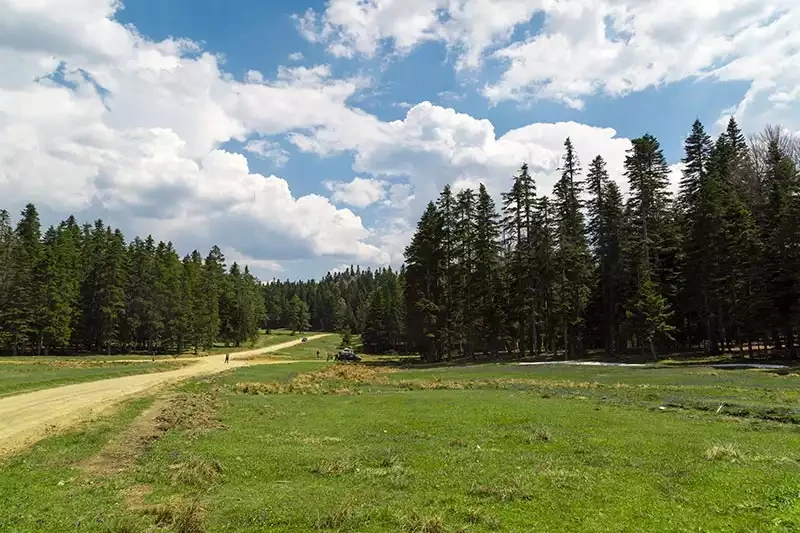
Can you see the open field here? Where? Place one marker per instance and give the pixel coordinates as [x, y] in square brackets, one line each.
[28, 417]
[308, 350]
[275, 336]
[29, 373]
[324, 447]
[34, 374]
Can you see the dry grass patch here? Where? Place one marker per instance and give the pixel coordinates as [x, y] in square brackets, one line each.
[332, 379]
[343, 518]
[540, 435]
[476, 516]
[333, 467]
[723, 452]
[417, 523]
[497, 384]
[182, 516]
[193, 412]
[121, 452]
[195, 472]
[196, 412]
[134, 497]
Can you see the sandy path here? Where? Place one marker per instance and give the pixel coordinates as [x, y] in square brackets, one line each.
[28, 417]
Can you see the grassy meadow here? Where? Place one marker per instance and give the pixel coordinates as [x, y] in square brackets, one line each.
[34, 373]
[275, 336]
[29, 373]
[313, 446]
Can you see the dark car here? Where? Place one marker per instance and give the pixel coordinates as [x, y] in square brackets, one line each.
[304, 339]
[347, 354]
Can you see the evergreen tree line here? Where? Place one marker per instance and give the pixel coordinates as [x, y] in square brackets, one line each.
[84, 289]
[715, 267]
[367, 302]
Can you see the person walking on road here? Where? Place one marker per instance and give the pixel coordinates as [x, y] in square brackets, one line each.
[227, 358]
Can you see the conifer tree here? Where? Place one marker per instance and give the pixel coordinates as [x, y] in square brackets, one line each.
[574, 262]
[605, 228]
[7, 277]
[448, 281]
[25, 296]
[424, 270]
[520, 244]
[211, 284]
[647, 173]
[486, 280]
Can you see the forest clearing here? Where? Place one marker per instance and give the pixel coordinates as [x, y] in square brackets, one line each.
[318, 446]
[444, 427]
[28, 417]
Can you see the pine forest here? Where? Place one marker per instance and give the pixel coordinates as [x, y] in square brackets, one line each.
[585, 270]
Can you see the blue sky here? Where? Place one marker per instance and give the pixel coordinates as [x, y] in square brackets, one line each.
[303, 136]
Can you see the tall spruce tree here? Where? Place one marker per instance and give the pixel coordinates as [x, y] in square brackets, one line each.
[26, 291]
[7, 278]
[782, 236]
[701, 200]
[521, 240]
[463, 301]
[605, 228]
[487, 280]
[574, 260]
[647, 172]
[448, 281]
[424, 270]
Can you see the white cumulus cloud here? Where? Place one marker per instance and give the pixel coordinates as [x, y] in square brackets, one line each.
[572, 49]
[100, 121]
[360, 192]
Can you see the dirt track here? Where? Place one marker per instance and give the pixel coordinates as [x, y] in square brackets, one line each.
[28, 417]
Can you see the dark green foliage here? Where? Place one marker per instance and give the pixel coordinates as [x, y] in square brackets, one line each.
[299, 316]
[573, 261]
[716, 268]
[424, 286]
[83, 289]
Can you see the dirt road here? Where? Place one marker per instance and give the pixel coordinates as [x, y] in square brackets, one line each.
[28, 417]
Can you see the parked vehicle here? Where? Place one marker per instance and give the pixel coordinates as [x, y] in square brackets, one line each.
[347, 354]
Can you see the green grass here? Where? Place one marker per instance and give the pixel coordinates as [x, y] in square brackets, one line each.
[477, 448]
[308, 350]
[276, 336]
[38, 373]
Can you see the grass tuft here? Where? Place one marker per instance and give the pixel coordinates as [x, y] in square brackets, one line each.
[344, 517]
[182, 516]
[333, 467]
[541, 435]
[723, 452]
[124, 525]
[195, 471]
[417, 523]
[501, 493]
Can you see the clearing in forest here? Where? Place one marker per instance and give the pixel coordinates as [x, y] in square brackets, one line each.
[337, 447]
